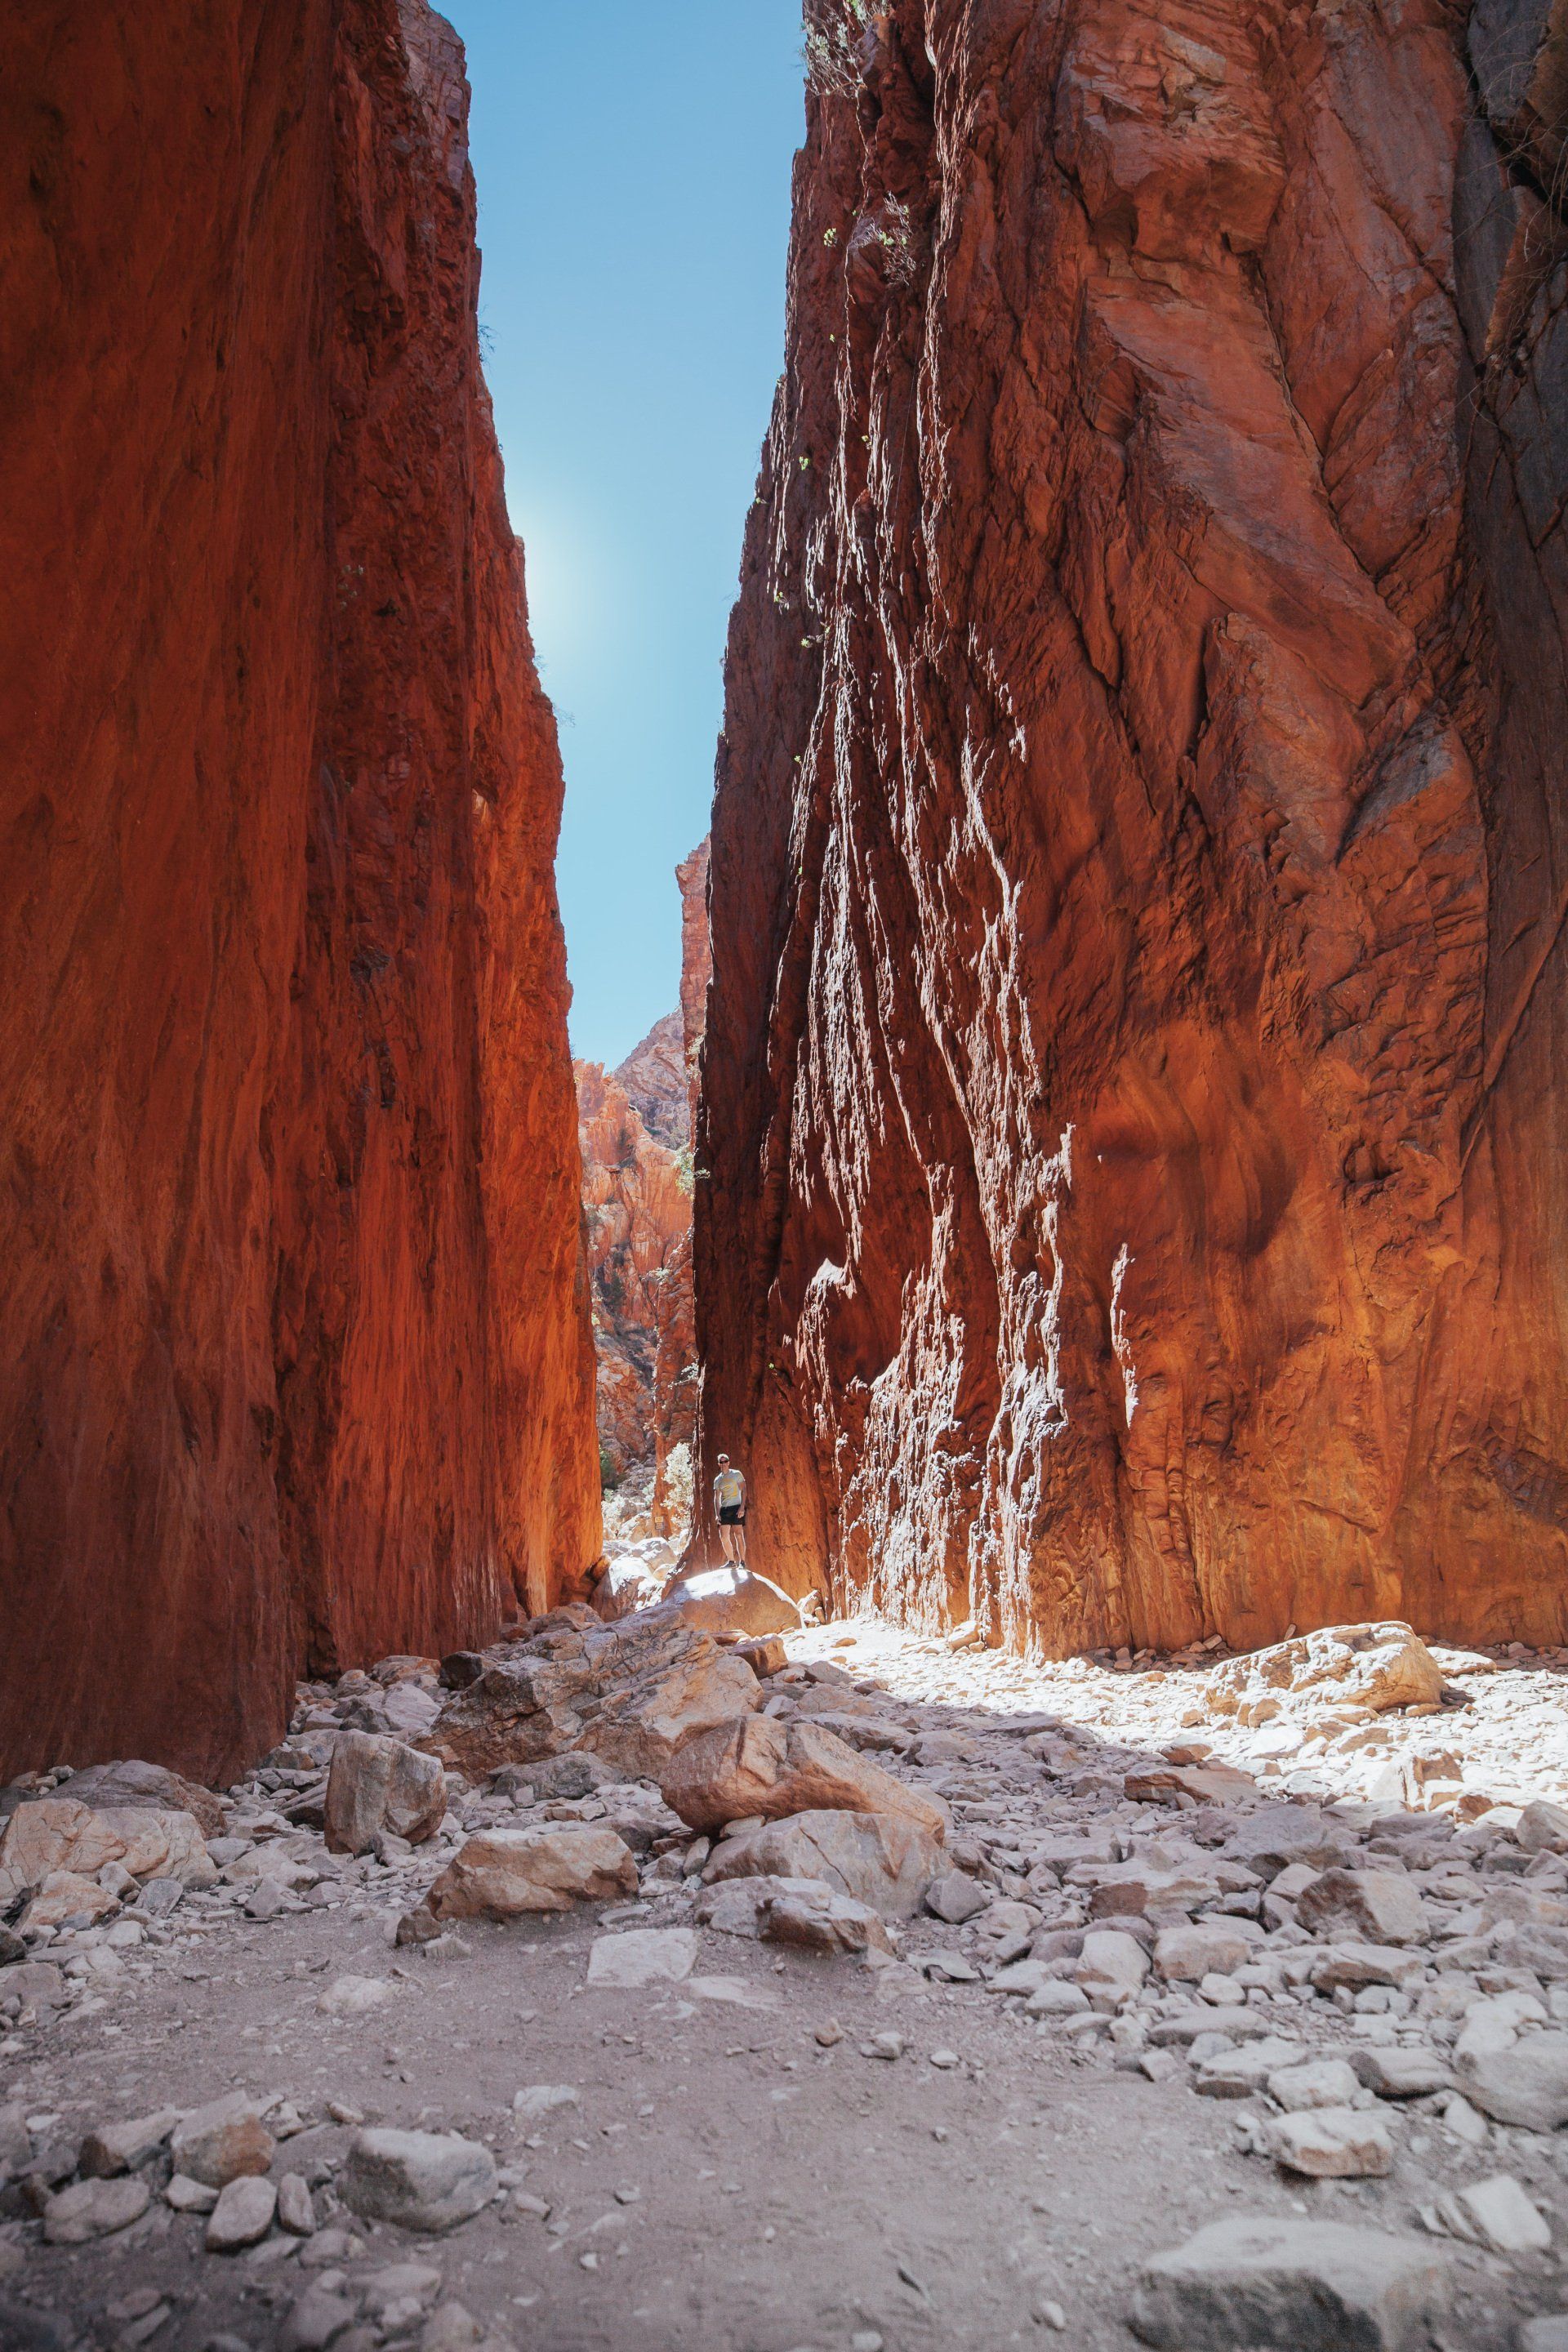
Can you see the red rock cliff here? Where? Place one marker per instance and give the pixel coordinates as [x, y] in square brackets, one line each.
[1136, 1072]
[298, 1367]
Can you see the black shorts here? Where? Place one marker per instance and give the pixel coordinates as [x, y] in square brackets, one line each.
[731, 1515]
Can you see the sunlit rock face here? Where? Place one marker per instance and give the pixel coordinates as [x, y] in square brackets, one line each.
[1134, 1083]
[636, 1191]
[298, 1367]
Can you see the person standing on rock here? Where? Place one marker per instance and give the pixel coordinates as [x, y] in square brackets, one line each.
[730, 1506]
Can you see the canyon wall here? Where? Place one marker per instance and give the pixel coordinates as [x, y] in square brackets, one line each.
[297, 1367]
[1134, 1084]
[634, 1132]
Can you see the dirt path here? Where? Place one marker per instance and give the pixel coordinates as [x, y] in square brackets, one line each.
[736, 2168]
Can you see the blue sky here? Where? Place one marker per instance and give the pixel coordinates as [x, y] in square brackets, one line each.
[633, 160]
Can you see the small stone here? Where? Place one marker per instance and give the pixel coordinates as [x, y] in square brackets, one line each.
[944, 2060]
[451, 2329]
[1548, 2334]
[94, 2209]
[1496, 2214]
[1052, 2316]
[1330, 2143]
[509, 1873]
[1373, 1907]
[187, 2196]
[296, 2207]
[540, 2099]
[1111, 1964]
[1189, 1954]
[1355, 1964]
[318, 2319]
[1056, 1998]
[242, 2216]
[1261, 2281]
[829, 2034]
[1231, 2073]
[646, 1956]
[814, 1916]
[1319, 2083]
[1542, 1828]
[884, 2045]
[266, 1900]
[353, 1996]
[954, 1897]
[420, 2181]
[222, 2141]
[1397, 2072]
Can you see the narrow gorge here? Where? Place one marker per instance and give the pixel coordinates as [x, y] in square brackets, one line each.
[1133, 1085]
[1066, 1838]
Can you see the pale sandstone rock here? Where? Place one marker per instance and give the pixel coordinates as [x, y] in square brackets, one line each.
[1542, 1828]
[1355, 1964]
[188, 2196]
[47, 1834]
[1111, 1964]
[94, 2209]
[819, 1918]
[65, 1895]
[1319, 2082]
[1373, 1907]
[505, 1874]
[648, 1684]
[419, 2180]
[1285, 2286]
[158, 1844]
[353, 1996]
[1232, 2074]
[1189, 1954]
[120, 2147]
[242, 2216]
[732, 1600]
[954, 1897]
[296, 2207]
[222, 2141]
[755, 1766]
[643, 1956]
[378, 1783]
[1378, 1666]
[1497, 2213]
[1401, 2073]
[1330, 2143]
[881, 1859]
[111, 1787]
[318, 2318]
[1527, 2085]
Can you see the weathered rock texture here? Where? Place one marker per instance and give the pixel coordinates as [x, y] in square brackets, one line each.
[1136, 1066]
[297, 1365]
[636, 1193]
[635, 1134]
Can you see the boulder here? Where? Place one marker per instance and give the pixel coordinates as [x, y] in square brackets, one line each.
[1497, 2213]
[1373, 1906]
[65, 1895]
[628, 1585]
[884, 1860]
[816, 1917]
[115, 1787]
[120, 2147]
[1378, 1666]
[758, 1765]
[377, 1783]
[731, 1599]
[94, 2209]
[1285, 2286]
[580, 1773]
[631, 1693]
[222, 2141]
[418, 2180]
[954, 1897]
[505, 1874]
[1330, 2143]
[242, 2216]
[47, 1834]
[1187, 1954]
[1527, 2085]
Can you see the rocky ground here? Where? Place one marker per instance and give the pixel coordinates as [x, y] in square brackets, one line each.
[1261, 1947]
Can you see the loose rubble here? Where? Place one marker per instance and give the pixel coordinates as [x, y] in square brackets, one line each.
[1338, 1978]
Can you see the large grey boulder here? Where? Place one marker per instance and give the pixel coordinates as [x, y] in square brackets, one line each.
[880, 1859]
[378, 1783]
[417, 2181]
[1273, 2284]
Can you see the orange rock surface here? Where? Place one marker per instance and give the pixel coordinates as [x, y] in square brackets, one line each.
[1135, 1073]
[638, 1195]
[297, 1368]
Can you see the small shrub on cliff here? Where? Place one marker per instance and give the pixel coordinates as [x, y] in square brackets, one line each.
[832, 44]
[609, 1477]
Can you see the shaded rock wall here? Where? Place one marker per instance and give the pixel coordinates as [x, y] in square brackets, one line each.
[298, 1367]
[1133, 1086]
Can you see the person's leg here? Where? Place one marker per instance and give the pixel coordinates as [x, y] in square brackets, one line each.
[727, 1539]
[739, 1534]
